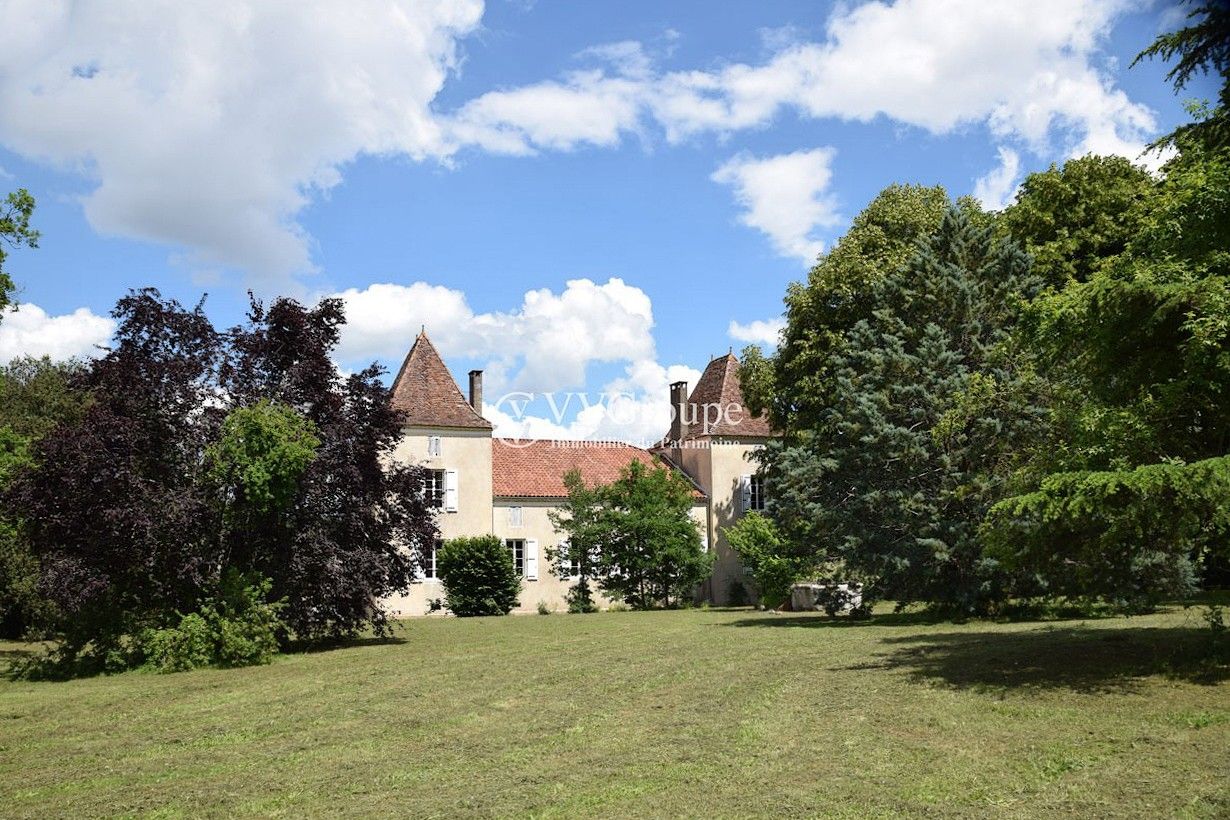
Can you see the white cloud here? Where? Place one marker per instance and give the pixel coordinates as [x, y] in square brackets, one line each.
[211, 125]
[27, 330]
[997, 188]
[1024, 69]
[785, 197]
[760, 331]
[1028, 71]
[543, 346]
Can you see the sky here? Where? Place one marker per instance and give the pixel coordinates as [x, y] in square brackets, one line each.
[588, 201]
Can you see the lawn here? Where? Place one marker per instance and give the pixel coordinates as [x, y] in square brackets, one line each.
[702, 712]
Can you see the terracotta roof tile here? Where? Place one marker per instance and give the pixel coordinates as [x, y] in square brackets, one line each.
[717, 391]
[536, 469]
[425, 391]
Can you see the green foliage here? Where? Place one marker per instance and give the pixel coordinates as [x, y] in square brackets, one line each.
[648, 547]
[1202, 47]
[261, 453]
[15, 231]
[478, 575]
[236, 627]
[1073, 219]
[635, 536]
[1128, 536]
[35, 395]
[543, 608]
[580, 598]
[576, 521]
[181, 648]
[795, 388]
[762, 553]
[928, 409]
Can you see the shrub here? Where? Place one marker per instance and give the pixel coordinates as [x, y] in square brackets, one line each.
[246, 625]
[543, 609]
[238, 627]
[190, 645]
[580, 599]
[764, 555]
[736, 593]
[478, 576]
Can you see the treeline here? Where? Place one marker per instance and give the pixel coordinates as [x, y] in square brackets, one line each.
[201, 496]
[981, 408]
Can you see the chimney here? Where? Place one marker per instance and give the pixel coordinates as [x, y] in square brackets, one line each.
[476, 391]
[679, 412]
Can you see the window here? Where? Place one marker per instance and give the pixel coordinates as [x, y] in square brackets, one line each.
[756, 493]
[514, 517]
[517, 547]
[433, 488]
[429, 560]
[574, 567]
[433, 446]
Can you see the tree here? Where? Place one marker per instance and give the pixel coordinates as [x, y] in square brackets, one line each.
[112, 506]
[793, 386]
[201, 452]
[358, 517]
[576, 519]
[15, 231]
[929, 403]
[766, 558]
[1075, 218]
[478, 575]
[1132, 498]
[647, 545]
[1202, 47]
[35, 395]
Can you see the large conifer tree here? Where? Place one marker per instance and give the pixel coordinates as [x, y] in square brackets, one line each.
[928, 398]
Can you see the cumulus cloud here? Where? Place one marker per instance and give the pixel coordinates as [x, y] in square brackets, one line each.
[785, 197]
[546, 343]
[209, 126]
[997, 188]
[535, 356]
[27, 330]
[1029, 71]
[760, 331]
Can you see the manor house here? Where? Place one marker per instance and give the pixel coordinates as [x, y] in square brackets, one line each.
[485, 485]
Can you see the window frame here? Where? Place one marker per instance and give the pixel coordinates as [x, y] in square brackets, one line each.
[517, 547]
[433, 488]
[755, 493]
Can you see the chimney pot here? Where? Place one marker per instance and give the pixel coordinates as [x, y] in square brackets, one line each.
[476, 391]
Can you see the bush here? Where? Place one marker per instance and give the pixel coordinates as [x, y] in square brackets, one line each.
[191, 645]
[763, 554]
[543, 609]
[238, 627]
[246, 626]
[478, 576]
[580, 599]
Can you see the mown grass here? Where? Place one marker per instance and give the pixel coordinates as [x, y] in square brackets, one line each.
[713, 713]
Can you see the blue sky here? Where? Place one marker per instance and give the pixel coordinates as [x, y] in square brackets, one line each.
[459, 165]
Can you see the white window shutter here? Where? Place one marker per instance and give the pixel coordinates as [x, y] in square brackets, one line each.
[745, 493]
[704, 542]
[450, 490]
[531, 559]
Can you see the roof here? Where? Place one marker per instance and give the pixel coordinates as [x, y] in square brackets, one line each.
[536, 469]
[718, 399]
[425, 392]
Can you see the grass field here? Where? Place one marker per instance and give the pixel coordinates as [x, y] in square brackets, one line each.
[701, 712]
